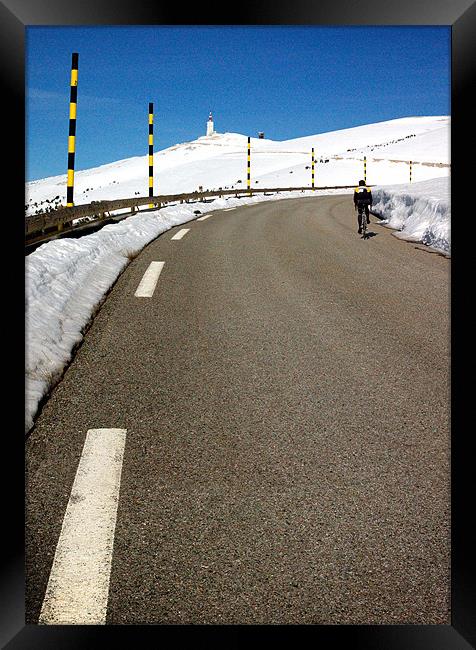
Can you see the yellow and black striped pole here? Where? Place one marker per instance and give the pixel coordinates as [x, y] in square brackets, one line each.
[312, 173]
[249, 165]
[72, 129]
[151, 151]
[365, 169]
[410, 171]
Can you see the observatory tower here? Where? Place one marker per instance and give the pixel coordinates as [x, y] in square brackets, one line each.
[210, 129]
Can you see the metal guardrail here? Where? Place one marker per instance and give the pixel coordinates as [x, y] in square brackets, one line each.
[49, 224]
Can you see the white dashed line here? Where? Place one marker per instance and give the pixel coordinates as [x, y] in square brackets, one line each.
[147, 285]
[78, 586]
[180, 233]
[228, 209]
[207, 216]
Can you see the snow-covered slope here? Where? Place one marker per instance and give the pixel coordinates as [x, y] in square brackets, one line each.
[220, 160]
[381, 137]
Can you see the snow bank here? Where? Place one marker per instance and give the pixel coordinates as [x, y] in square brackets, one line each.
[419, 211]
[66, 280]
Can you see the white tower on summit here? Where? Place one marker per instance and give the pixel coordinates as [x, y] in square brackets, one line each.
[210, 129]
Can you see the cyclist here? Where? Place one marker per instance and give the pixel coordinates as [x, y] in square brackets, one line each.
[362, 200]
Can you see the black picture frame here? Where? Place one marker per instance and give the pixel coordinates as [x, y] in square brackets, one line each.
[15, 16]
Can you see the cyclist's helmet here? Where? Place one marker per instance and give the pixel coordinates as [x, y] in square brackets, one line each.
[361, 182]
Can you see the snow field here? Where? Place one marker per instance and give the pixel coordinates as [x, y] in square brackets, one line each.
[220, 160]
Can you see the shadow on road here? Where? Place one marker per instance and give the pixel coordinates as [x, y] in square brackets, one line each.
[369, 234]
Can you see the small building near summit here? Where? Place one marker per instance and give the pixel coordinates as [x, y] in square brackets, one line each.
[210, 127]
[260, 135]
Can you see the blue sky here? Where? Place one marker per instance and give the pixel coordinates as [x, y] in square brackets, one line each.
[285, 81]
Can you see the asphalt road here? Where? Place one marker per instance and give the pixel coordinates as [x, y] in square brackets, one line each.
[286, 398]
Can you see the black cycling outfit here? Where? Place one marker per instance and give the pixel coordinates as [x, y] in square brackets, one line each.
[362, 199]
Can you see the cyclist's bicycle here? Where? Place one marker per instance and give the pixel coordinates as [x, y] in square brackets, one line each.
[362, 213]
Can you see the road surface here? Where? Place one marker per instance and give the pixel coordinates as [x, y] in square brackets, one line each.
[280, 406]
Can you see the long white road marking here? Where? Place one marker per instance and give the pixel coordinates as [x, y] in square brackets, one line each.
[148, 283]
[78, 586]
[207, 216]
[228, 209]
[180, 233]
